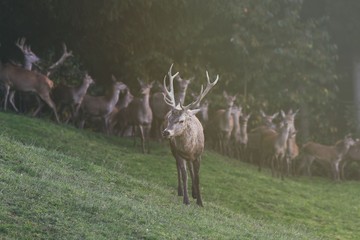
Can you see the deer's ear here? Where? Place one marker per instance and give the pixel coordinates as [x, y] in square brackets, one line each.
[194, 111]
[225, 94]
[275, 115]
[282, 114]
[152, 83]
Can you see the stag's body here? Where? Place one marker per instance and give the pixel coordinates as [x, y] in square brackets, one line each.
[331, 155]
[100, 106]
[71, 97]
[21, 79]
[141, 115]
[186, 137]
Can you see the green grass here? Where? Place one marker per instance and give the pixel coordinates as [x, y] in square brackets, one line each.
[57, 182]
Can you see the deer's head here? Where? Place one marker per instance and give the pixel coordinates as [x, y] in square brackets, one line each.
[145, 87]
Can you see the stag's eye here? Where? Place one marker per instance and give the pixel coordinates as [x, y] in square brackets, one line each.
[181, 121]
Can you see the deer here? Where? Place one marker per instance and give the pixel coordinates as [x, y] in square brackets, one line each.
[159, 109]
[18, 78]
[255, 135]
[182, 88]
[30, 59]
[203, 114]
[140, 115]
[242, 135]
[100, 106]
[274, 146]
[235, 134]
[72, 97]
[224, 123]
[353, 155]
[329, 155]
[186, 137]
[292, 150]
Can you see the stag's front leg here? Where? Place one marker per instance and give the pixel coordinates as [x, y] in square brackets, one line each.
[196, 182]
[7, 90]
[184, 181]
[11, 99]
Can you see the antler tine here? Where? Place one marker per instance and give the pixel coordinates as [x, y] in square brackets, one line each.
[66, 53]
[169, 98]
[20, 43]
[203, 92]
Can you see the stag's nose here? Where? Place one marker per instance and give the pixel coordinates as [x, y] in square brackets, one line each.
[166, 133]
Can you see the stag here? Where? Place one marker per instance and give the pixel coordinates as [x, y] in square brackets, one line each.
[140, 114]
[71, 97]
[30, 56]
[100, 106]
[186, 137]
[329, 155]
[18, 78]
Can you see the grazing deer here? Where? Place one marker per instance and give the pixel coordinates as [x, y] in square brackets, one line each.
[186, 137]
[71, 97]
[159, 109]
[18, 78]
[225, 123]
[273, 147]
[100, 106]
[140, 114]
[330, 155]
[255, 135]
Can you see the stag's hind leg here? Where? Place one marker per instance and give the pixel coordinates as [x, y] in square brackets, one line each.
[47, 99]
[196, 165]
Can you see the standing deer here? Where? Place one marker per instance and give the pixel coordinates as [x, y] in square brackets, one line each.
[292, 150]
[100, 106]
[71, 97]
[182, 88]
[119, 116]
[224, 124]
[255, 135]
[140, 114]
[186, 137]
[242, 138]
[30, 56]
[330, 155]
[353, 155]
[159, 109]
[273, 147]
[236, 113]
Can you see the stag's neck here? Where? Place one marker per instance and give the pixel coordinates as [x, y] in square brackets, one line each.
[28, 65]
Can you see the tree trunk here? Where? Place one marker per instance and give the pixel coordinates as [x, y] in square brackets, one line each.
[356, 82]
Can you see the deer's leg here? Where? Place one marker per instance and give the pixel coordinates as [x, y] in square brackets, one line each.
[178, 168]
[196, 165]
[182, 165]
[47, 99]
[193, 185]
[141, 128]
[11, 99]
[7, 90]
[147, 137]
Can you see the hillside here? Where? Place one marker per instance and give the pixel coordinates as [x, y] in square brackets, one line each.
[58, 182]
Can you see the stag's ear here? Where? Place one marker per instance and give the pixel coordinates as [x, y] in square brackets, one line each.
[152, 84]
[296, 112]
[194, 111]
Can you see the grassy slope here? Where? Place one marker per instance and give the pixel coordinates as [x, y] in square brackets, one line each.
[57, 182]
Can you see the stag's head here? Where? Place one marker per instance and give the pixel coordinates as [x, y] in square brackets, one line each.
[181, 116]
[29, 55]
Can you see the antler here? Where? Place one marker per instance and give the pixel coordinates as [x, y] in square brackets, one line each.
[169, 96]
[65, 55]
[203, 92]
[20, 43]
